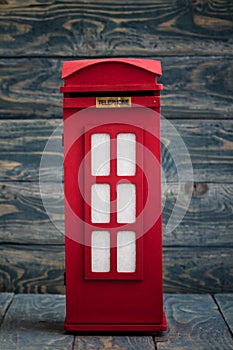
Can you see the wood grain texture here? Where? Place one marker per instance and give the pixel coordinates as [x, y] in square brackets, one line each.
[5, 300]
[24, 218]
[35, 322]
[225, 303]
[209, 143]
[30, 88]
[197, 87]
[22, 145]
[208, 221]
[197, 270]
[114, 343]
[32, 269]
[194, 87]
[103, 28]
[194, 323]
[39, 269]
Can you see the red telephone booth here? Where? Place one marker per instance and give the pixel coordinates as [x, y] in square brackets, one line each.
[113, 195]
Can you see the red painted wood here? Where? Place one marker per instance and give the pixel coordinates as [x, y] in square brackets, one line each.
[112, 304]
[111, 87]
[111, 72]
[83, 102]
[72, 67]
[122, 328]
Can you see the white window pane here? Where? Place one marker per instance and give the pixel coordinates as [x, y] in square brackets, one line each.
[100, 203]
[126, 154]
[126, 203]
[100, 251]
[126, 251]
[100, 154]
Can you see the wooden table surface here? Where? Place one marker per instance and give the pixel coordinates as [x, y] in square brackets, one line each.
[195, 321]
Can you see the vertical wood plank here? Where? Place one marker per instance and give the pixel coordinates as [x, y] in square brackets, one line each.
[5, 300]
[35, 322]
[194, 322]
[114, 343]
[225, 303]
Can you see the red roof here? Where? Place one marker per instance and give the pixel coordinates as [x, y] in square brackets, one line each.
[71, 67]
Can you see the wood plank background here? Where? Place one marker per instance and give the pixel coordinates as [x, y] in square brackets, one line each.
[194, 87]
[195, 321]
[194, 41]
[225, 302]
[101, 28]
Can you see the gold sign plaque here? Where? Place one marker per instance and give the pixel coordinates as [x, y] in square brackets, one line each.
[113, 102]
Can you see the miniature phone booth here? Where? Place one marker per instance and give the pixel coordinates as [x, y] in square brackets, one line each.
[113, 231]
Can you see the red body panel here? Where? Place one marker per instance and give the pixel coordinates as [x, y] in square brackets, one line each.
[113, 301]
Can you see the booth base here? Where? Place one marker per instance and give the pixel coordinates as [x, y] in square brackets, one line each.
[121, 328]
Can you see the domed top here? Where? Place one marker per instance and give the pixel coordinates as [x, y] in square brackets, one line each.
[72, 67]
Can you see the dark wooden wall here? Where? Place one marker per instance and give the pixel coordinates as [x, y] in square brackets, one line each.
[194, 40]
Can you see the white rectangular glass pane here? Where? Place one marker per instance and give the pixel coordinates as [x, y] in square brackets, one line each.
[100, 154]
[126, 203]
[100, 251]
[126, 251]
[126, 154]
[100, 203]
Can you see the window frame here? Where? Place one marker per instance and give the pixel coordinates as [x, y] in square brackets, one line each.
[112, 179]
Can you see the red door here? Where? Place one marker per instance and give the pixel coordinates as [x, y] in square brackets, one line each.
[113, 202]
